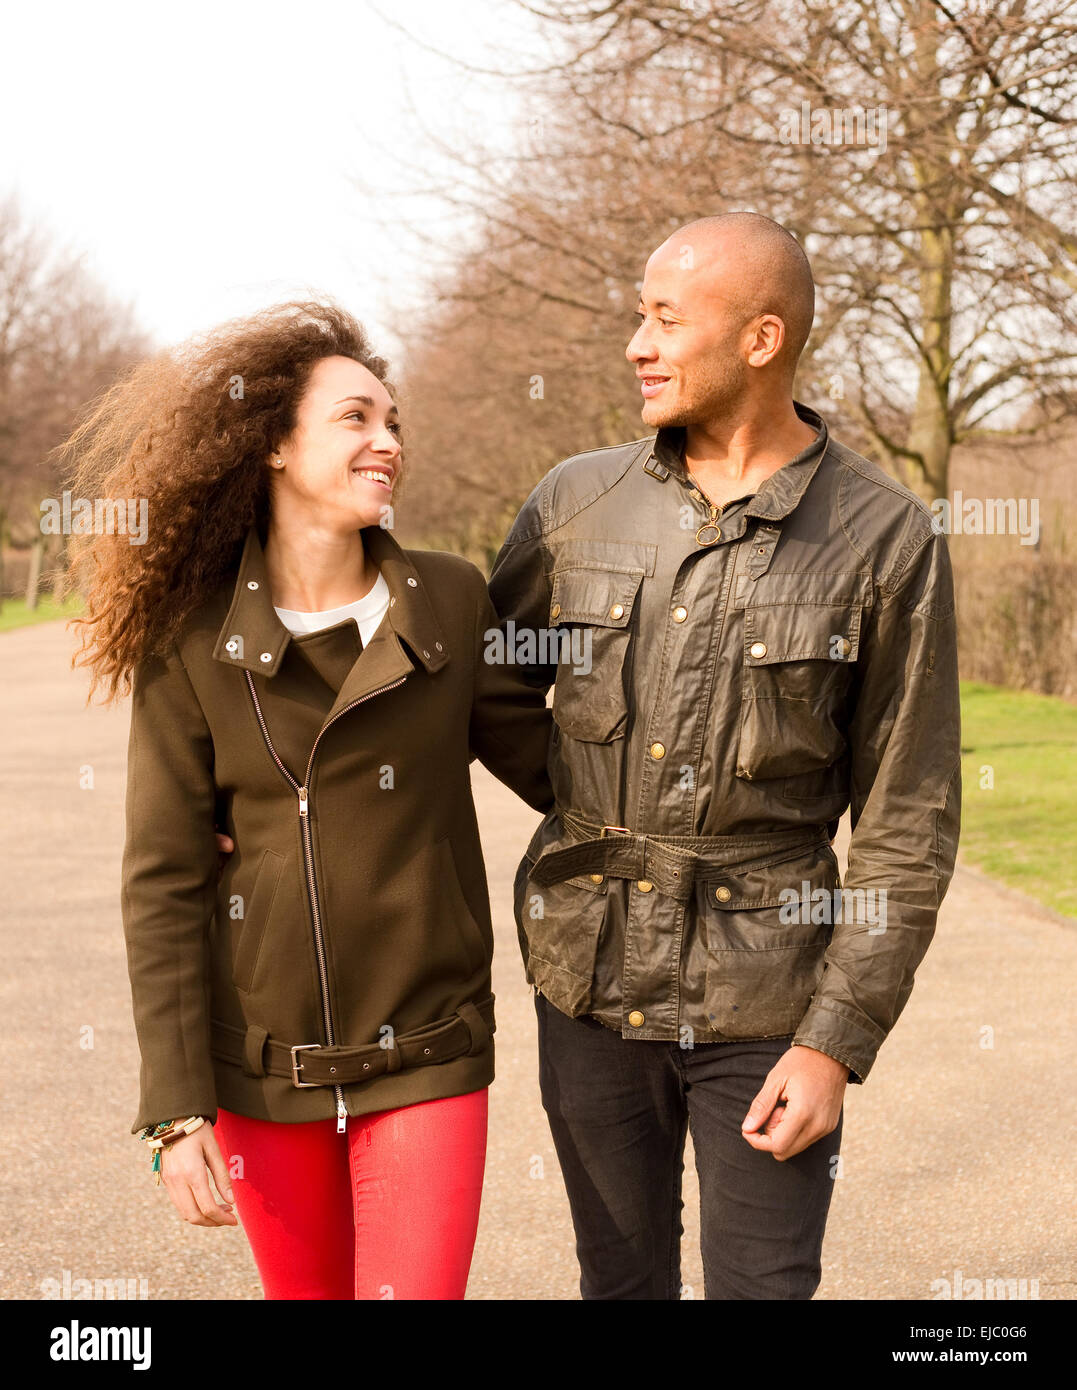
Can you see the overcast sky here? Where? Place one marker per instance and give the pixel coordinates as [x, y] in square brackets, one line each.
[211, 158]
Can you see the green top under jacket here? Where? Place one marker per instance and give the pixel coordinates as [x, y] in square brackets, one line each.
[340, 962]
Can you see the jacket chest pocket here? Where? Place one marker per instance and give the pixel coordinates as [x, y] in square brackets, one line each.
[593, 610]
[798, 660]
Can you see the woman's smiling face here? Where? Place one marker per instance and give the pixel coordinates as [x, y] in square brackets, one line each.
[342, 460]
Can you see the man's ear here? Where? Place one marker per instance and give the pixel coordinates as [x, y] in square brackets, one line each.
[767, 341]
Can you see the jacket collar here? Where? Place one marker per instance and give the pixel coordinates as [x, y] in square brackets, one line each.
[781, 492]
[252, 636]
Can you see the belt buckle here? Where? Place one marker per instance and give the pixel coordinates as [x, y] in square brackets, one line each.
[297, 1067]
[617, 829]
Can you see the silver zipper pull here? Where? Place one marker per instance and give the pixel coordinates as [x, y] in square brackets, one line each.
[342, 1114]
[302, 801]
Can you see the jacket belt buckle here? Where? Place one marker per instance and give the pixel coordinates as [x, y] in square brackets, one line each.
[617, 830]
[297, 1067]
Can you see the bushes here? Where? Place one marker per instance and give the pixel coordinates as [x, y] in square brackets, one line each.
[1017, 623]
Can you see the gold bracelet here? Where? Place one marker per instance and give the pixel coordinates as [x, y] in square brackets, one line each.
[176, 1130]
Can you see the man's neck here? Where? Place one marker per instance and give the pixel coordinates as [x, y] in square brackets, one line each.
[730, 459]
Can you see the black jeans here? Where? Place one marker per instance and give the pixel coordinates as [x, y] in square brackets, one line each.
[619, 1110]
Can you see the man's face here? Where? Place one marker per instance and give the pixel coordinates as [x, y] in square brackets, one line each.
[688, 350]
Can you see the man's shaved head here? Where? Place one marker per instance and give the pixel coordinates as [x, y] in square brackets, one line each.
[763, 264]
[712, 298]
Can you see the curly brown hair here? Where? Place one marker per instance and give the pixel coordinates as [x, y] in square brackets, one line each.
[190, 430]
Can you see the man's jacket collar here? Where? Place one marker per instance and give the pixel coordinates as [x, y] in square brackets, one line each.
[781, 492]
[253, 637]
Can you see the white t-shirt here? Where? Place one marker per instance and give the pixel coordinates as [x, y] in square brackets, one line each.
[367, 611]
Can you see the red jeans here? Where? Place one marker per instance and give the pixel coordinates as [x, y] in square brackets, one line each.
[387, 1210]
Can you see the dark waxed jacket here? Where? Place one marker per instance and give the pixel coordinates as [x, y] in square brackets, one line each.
[755, 670]
[354, 913]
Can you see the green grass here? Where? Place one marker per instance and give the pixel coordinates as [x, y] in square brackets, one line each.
[1021, 830]
[14, 612]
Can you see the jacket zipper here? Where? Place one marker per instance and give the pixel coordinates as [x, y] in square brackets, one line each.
[711, 523]
[303, 793]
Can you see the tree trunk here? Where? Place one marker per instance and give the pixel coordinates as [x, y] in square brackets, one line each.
[33, 579]
[59, 572]
[929, 429]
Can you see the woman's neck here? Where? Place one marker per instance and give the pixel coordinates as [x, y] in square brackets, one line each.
[312, 568]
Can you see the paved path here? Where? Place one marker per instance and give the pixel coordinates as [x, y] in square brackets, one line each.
[957, 1155]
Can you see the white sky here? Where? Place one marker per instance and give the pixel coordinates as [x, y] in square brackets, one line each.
[213, 158]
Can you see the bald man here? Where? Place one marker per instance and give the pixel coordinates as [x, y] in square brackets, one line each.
[750, 630]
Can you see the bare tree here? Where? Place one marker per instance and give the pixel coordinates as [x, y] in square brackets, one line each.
[518, 358]
[923, 153]
[62, 340]
[926, 155]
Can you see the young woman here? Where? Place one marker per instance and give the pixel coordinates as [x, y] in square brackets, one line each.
[322, 1002]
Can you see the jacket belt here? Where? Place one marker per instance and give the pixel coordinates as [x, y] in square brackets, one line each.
[466, 1033]
[672, 863]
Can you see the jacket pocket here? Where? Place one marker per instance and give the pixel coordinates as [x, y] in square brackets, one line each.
[255, 916]
[767, 930]
[596, 606]
[559, 925]
[823, 793]
[473, 945]
[797, 662]
[407, 959]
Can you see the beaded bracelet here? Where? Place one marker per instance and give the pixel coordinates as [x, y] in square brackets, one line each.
[167, 1132]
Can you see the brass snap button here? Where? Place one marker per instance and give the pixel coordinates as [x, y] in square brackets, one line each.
[555, 611]
[758, 649]
[658, 750]
[844, 647]
[617, 611]
[644, 885]
[679, 614]
[596, 878]
[636, 1018]
[723, 894]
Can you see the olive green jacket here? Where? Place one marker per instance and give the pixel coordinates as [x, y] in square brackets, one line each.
[730, 681]
[340, 962]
